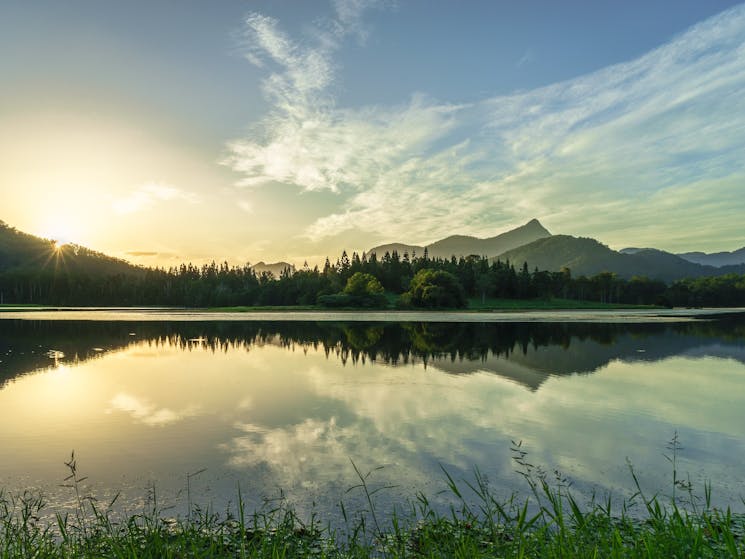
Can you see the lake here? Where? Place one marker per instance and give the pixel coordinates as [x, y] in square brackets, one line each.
[165, 401]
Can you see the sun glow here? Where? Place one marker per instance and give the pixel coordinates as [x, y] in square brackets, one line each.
[61, 229]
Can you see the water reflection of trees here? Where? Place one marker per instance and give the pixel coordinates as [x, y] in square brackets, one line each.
[24, 344]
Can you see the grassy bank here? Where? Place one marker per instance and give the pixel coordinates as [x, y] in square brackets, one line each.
[547, 522]
[477, 304]
[474, 304]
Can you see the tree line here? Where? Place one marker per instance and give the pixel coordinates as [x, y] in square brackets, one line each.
[359, 280]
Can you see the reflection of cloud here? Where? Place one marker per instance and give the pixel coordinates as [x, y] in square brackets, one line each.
[299, 451]
[317, 454]
[147, 195]
[413, 421]
[246, 403]
[660, 135]
[147, 413]
[409, 431]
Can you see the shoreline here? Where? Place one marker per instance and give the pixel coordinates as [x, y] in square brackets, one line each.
[166, 314]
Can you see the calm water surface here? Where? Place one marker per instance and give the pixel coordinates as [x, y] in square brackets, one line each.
[283, 407]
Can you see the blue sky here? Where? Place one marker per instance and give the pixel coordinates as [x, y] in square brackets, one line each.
[170, 131]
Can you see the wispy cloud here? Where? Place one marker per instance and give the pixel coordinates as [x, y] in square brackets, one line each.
[524, 59]
[246, 206]
[150, 194]
[349, 14]
[141, 253]
[628, 150]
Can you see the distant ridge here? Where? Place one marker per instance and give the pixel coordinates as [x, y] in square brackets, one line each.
[588, 257]
[632, 250]
[717, 259]
[400, 248]
[464, 245]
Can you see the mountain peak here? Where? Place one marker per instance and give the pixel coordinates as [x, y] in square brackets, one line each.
[535, 225]
[464, 245]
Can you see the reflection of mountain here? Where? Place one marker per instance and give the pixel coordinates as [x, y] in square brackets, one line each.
[527, 353]
[589, 354]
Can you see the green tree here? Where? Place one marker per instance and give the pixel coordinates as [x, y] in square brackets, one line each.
[361, 290]
[362, 285]
[434, 288]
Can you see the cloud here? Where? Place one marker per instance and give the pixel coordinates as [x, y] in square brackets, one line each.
[302, 71]
[246, 206]
[525, 58]
[616, 152]
[349, 15]
[148, 195]
[141, 253]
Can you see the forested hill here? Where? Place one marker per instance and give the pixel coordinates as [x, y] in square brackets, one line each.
[585, 256]
[464, 245]
[23, 253]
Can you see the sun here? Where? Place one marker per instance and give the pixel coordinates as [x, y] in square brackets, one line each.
[55, 256]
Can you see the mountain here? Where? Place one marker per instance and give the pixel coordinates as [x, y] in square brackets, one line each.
[275, 268]
[585, 256]
[658, 264]
[21, 252]
[400, 248]
[533, 244]
[632, 250]
[463, 245]
[717, 259]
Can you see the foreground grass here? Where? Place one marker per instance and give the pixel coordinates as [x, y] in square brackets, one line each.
[547, 523]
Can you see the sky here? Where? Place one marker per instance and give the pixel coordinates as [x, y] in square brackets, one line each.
[166, 131]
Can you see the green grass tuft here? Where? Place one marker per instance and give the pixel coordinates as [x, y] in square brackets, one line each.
[547, 523]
